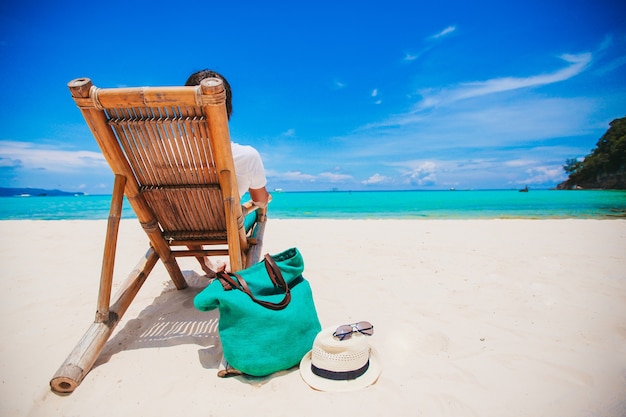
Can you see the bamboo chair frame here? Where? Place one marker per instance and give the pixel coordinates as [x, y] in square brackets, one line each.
[169, 149]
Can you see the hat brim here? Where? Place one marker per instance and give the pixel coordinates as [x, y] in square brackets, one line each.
[325, 384]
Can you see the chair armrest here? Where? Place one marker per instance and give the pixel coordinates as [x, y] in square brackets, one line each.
[249, 206]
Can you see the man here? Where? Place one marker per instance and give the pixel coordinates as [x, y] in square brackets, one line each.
[248, 164]
[249, 168]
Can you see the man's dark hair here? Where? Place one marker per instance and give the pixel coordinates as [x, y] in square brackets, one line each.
[197, 77]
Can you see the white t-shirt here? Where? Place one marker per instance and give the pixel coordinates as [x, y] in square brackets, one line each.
[248, 168]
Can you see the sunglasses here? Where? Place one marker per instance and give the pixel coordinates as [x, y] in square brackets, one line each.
[345, 332]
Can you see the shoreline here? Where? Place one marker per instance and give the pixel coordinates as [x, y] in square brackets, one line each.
[473, 317]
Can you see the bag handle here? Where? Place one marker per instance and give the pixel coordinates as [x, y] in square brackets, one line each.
[275, 276]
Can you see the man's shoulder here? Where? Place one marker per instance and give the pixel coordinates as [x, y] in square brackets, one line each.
[238, 149]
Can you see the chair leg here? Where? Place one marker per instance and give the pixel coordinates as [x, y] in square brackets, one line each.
[110, 245]
[202, 261]
[209, 268]
[84, 355]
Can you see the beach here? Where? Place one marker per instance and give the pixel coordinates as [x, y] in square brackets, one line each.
[471, 317]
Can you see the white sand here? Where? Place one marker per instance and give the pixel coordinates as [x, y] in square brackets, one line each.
[472, 318]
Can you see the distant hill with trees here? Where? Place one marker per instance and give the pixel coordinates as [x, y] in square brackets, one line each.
[605, 167]
[35, 192]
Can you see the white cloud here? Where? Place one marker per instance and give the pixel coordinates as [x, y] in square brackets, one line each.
[543, 175]
[293, 176]
[9, 162]
[409, 57]
[289, 133]
[515, 163]
[443, 33]
[376, 179]
[462, 91]
[474, 172]
[412, 56]
[608, 63]
[422, 180]
[33, 156]
[298, 176]
[333, 177]
[418, 165]
[612, 66]
[418, 173]
[375, 94]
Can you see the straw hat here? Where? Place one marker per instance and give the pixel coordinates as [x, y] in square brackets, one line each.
[340, 365]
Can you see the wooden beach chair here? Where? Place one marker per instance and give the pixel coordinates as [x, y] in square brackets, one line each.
[169, 149]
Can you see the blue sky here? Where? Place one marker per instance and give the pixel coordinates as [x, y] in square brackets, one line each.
[354, 95]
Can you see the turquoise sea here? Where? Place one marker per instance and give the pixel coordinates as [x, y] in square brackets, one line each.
[535, 204]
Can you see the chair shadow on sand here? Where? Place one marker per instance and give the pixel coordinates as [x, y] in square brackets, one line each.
[172, 320]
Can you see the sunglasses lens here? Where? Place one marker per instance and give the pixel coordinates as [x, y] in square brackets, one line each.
[343, 332]
[365, 328]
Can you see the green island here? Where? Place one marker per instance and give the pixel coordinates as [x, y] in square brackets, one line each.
[605, 167]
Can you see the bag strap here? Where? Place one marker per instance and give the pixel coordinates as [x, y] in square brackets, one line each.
[275, 276]
[274, 272]
[226, 280]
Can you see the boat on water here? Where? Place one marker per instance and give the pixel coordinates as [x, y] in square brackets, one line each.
[524, 190]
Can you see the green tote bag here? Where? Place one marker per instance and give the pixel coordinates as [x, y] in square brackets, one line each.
[268, 319]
